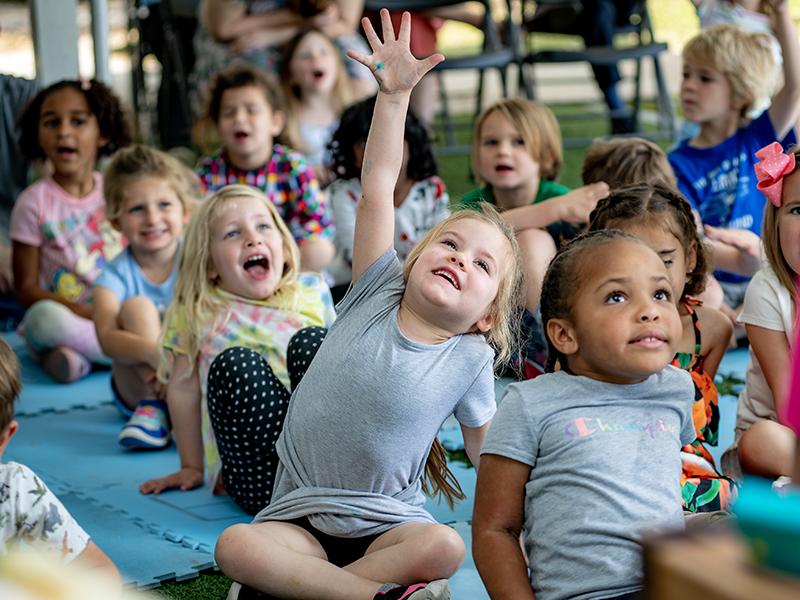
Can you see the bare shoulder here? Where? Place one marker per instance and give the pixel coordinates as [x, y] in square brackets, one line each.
[715, 327]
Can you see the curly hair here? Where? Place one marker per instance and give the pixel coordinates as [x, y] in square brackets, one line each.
[353, 129]
[103, 104]
[664, 207]
[562, 279]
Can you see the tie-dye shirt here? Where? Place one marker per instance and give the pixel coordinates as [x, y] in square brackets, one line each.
[289, 183]
[31, 515]
[74, 238]
[265, 326]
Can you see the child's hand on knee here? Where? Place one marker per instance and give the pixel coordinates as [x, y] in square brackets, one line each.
[186, 479]
[392, 64]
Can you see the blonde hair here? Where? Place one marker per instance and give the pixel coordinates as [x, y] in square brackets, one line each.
[770, 234]
[194, 299]
[342, 92]
[10, 384]
[138, 161]
[623, 161]
[744, 59]
[539, 130]
[503, 336]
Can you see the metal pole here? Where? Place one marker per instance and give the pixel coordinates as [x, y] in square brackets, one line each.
[100, 29]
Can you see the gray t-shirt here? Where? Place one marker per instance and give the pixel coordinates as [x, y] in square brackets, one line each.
[361, 422]
[606, 466]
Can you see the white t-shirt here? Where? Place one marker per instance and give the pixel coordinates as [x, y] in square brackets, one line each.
[31, 515]
[769, 305]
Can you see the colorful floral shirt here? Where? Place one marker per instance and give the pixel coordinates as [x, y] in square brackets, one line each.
[287, 180]
[74, 238]
[31, 515]
[265, 326]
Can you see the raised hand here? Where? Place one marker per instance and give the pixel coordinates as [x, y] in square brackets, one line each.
[391, 62]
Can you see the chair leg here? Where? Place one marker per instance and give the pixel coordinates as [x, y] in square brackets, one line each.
[666, 116]
[447, 120]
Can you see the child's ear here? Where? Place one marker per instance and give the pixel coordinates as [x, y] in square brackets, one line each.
[691, 257]
[485, 323]
[6, 435]
[102, 141]
[278, 121]
[562, 335]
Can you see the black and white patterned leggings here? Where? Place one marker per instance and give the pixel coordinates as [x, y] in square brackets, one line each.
[247, 405]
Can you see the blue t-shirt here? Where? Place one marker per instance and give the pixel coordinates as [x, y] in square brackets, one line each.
[720, 182]
[124, 277]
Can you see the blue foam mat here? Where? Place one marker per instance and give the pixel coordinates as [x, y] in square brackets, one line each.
[68, 435]
[144, 558]
[79, 449]
[42, 394]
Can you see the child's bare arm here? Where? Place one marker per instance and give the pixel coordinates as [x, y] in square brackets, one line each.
[573, 207]
[123, 346]
[94, 558]
[785, 107]
[25, 264]
[183, 400]
[735, 250]
[772, 351]
[717, 331]
[397, 72]
[473, 440]
[496, 527]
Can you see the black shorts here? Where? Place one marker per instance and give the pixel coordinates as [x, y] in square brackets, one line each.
[341, 551]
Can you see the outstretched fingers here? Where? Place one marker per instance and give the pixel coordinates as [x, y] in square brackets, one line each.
[388, 30]
[372, 37]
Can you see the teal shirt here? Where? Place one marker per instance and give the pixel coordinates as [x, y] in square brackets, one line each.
[473, 198]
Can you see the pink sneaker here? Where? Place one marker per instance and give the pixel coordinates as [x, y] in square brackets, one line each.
[65, 365]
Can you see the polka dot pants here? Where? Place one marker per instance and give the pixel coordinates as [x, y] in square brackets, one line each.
[247, 404]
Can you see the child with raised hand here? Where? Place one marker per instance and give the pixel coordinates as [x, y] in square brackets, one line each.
[420, 197]
[546, 466]
[765, 446]
[61, 237]
[30, 514]
[725, 71]
[149, 196]
[346, 518]
[663, 220]
[239, 297]
[517, 155]
[247, 109]
[317, 92]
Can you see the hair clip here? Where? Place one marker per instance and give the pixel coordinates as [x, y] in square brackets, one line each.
[774, 166]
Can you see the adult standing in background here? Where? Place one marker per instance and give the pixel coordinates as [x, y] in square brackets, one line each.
[254, 30]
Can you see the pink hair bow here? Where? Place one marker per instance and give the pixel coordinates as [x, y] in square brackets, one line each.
[774, 166]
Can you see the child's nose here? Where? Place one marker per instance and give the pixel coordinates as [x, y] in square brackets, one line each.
[649, 313]
[458, 260]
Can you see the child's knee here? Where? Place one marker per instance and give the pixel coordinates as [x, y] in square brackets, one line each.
[442, 552]
[229, 365]
[136, 310]
[229, 547]
[766, 448]
[44, 323]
